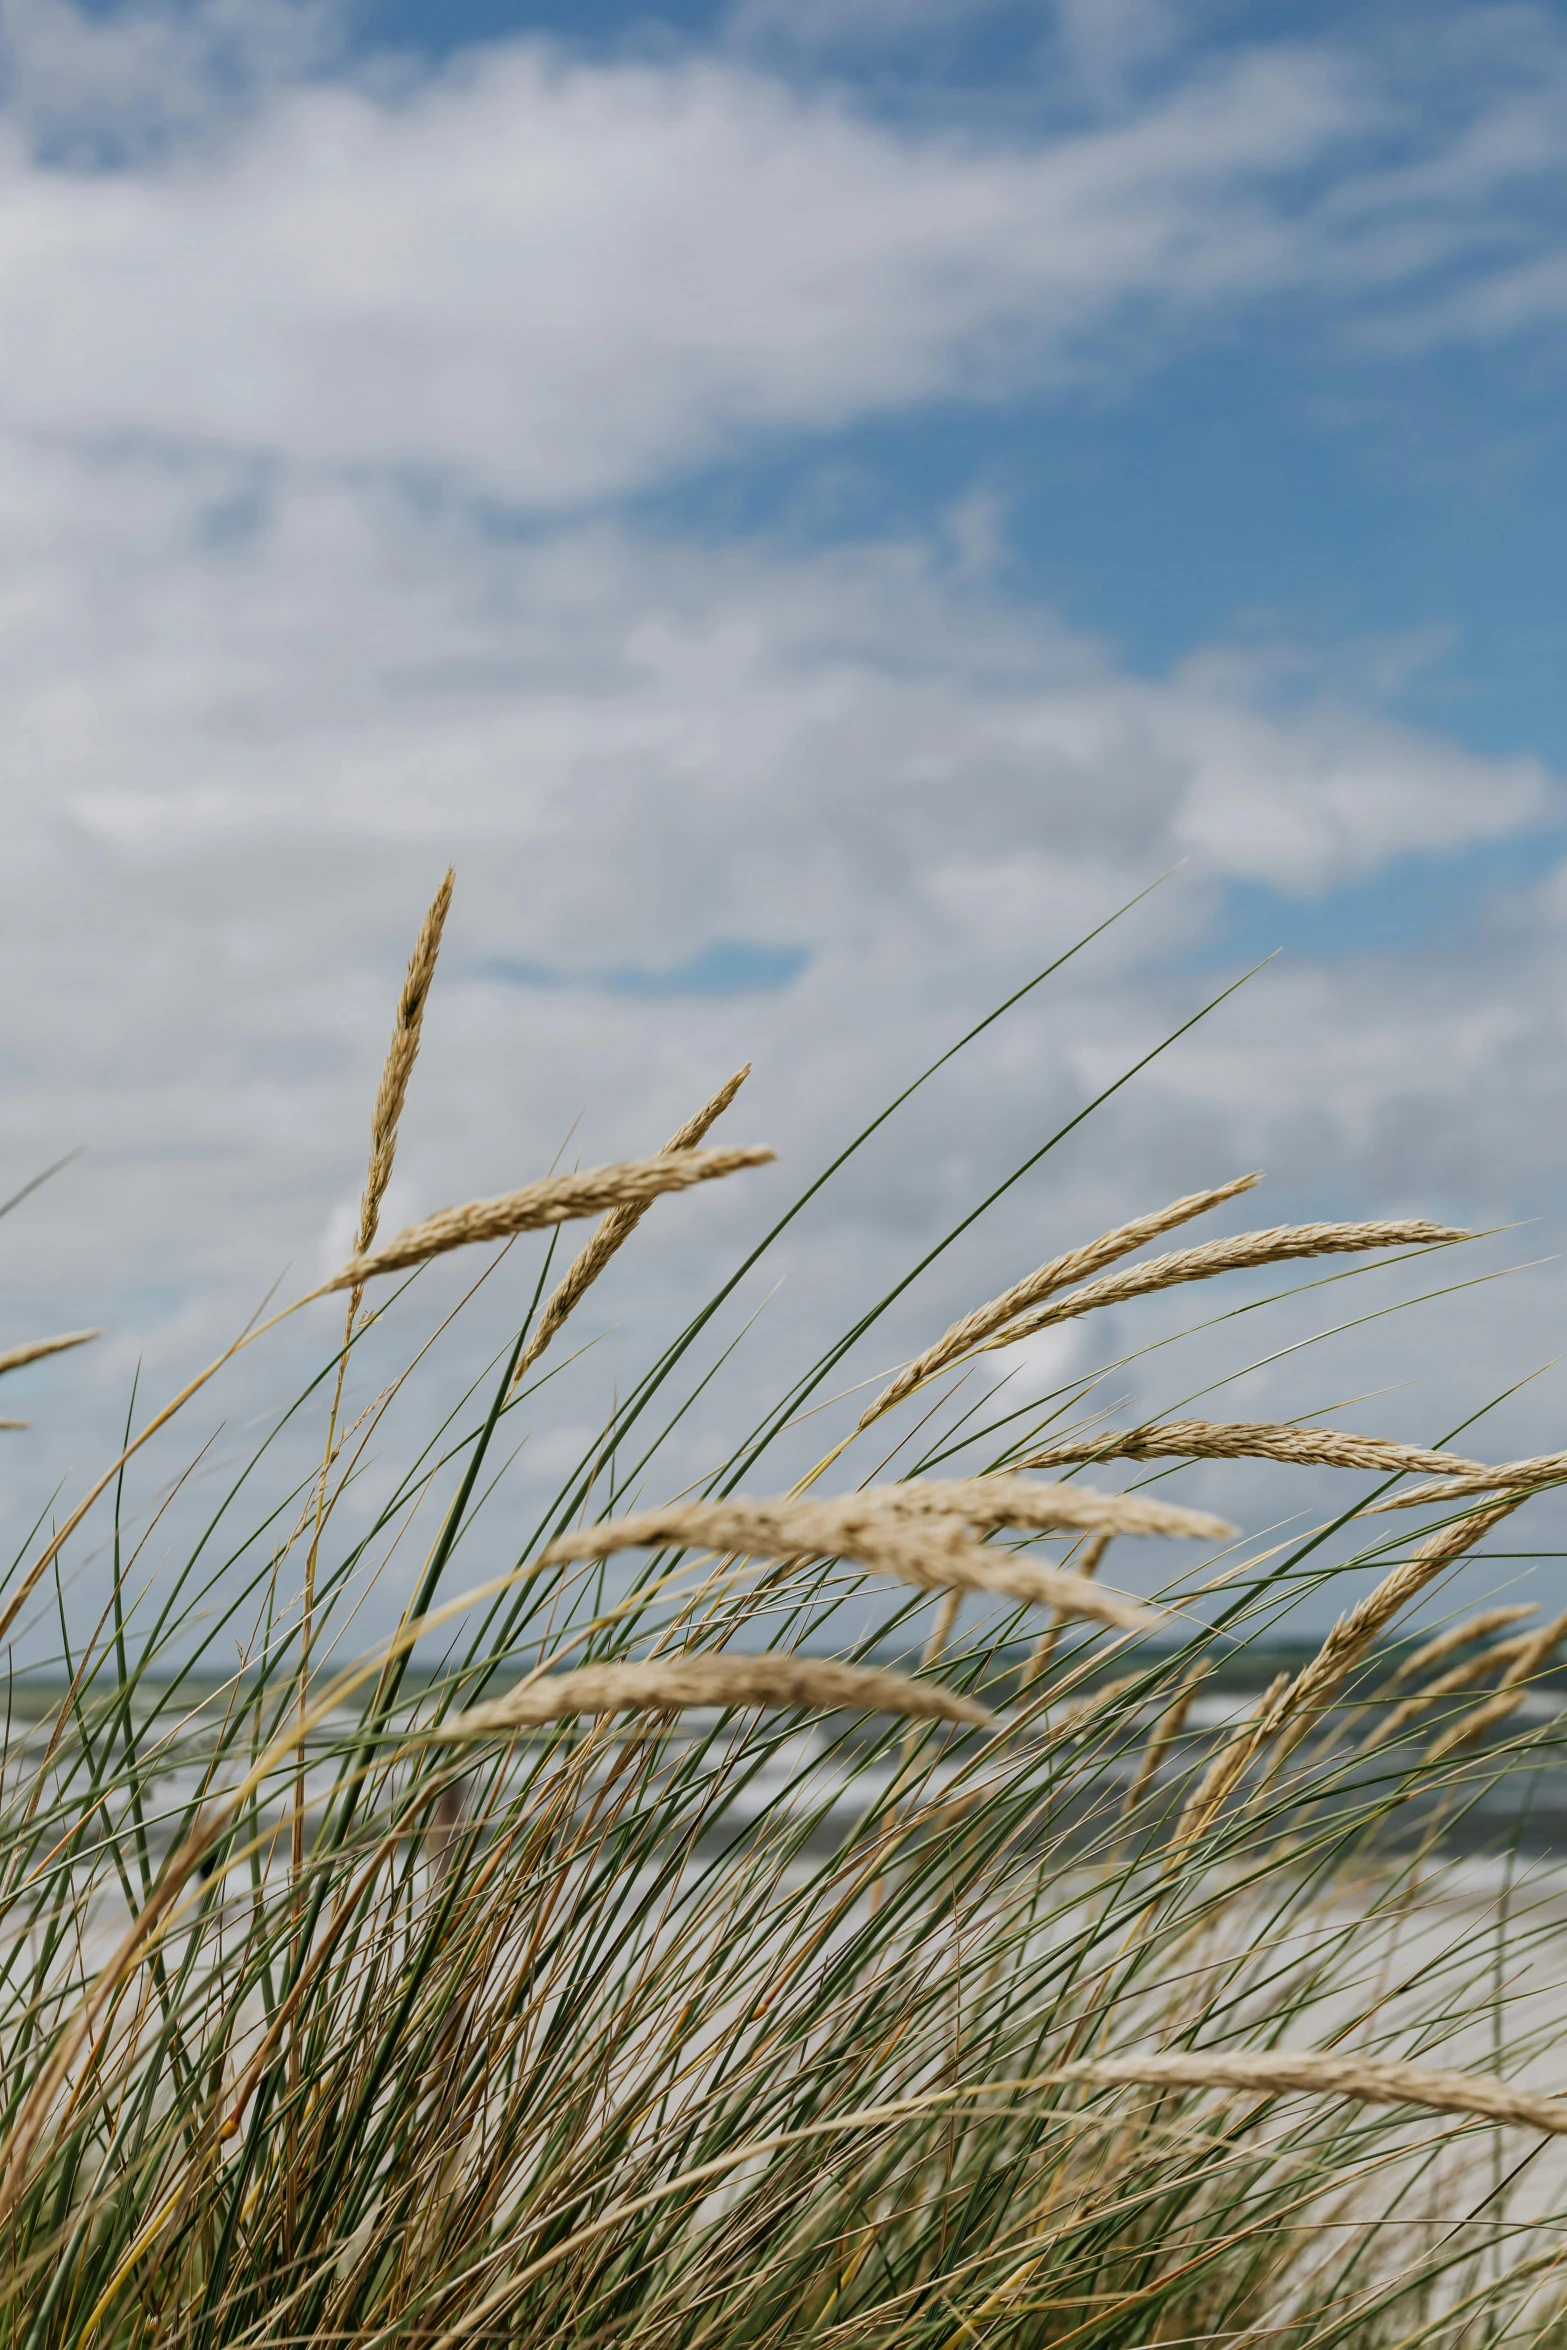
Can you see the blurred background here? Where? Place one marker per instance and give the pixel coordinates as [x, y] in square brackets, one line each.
[810, 505]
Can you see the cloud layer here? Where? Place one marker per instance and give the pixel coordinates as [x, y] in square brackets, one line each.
[561, 280]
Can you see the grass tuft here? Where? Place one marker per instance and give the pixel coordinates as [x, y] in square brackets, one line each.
[738, 1947]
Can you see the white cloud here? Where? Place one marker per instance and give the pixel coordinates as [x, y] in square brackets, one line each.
[565, 279]
[1333, 797]
[238, 758]
[346, 658]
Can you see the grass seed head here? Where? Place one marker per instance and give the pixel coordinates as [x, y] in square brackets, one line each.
[1370, 2080]
[1245, 1253]
[34, 1350]
[916, 1531]
[1476, 1627]
[401, 1055]
[1530, 1655]
[1267, 1440]
[1075, 1265]
[678, 1683]
[1548, 1468]
[558, 1199]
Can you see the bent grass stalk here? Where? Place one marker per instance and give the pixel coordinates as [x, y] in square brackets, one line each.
[556, 1200]
[1528, 1658]
[673, 1965]
[1376, 2082]
[1228, 1767]
[913, 1532]
[1355, 1635]
[792, 1683]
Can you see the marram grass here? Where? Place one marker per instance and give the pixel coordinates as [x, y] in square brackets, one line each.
[668, 1967]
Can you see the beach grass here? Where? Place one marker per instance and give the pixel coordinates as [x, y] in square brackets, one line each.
[831, 1915]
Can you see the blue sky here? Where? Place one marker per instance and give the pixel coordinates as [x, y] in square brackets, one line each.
[809, 504]
[1269, 481]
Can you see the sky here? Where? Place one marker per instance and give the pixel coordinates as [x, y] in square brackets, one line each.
[810, 506]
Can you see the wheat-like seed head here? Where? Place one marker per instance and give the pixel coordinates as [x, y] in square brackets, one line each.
[1464, 1676]
[1247, 1251]
[558, 1199]
[1547, 1468]
[790, 1528]
[617, 1229]
[1003, 1499]
[1478, 1627]
[678, 1682]
[1268, 1440]
[915, 1531]
[1075, 1265]
[1375, 2080]
[939, 1556]
[36, 1348]
[1530, 1654]
[401, 1055]
[1354, 1635]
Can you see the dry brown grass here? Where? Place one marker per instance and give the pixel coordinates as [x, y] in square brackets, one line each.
[1228, 1767]
[1459, 1635]
[673, 1685]
[1247, 1252]
[1530, 1656]
[1372, 2081]
[649, 1972]
[916, 1531]
[1263, 1440]
[557, 1199]
[1521, 1476]
[401, 1054]
[1356, 1634]
[36, 1348]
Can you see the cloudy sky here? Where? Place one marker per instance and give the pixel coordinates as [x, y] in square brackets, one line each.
[810, 505]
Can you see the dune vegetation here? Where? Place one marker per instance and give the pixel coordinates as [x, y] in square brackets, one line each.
[839, 1915]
